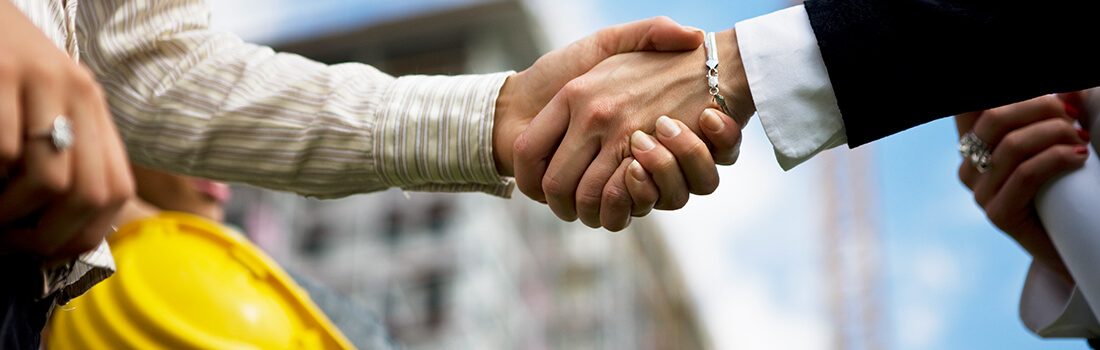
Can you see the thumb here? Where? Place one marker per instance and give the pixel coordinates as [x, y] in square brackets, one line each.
[654, 34]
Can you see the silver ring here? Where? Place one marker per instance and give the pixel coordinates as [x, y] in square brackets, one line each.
[976, 150]
[60, 133]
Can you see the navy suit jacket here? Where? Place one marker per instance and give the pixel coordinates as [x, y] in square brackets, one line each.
[895, 64]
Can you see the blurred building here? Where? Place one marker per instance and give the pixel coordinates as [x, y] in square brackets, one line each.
[471, 271]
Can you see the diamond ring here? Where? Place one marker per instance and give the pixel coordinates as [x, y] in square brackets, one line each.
[976, 150]
[60, 133]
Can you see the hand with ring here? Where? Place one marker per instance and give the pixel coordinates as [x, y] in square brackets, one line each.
[63, 170]
[1021, 146]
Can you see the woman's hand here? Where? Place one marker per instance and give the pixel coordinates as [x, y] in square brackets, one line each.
[56, 200]
[1031, 142]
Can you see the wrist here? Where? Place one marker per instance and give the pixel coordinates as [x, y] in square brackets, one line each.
[733, 82]
[506, 126]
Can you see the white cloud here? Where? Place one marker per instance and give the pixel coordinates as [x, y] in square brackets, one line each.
[922, 326]
[937, 270]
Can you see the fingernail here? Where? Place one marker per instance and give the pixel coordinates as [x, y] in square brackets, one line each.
[1071, 111]
[712, 121]
[1081, 150]
[1084, 135]
[641, 141]
[693, 29]
[636, 171]
[667, 127]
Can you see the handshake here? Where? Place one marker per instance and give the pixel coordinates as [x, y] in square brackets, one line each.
[576, 128]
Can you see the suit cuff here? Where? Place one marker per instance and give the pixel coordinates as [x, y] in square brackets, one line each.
[790, 85]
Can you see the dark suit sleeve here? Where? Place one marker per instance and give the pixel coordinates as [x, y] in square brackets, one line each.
[895, 64]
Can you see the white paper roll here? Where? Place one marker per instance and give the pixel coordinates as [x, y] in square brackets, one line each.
[1070, 209]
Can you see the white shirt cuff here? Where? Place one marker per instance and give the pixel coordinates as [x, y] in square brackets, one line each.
[790, 85]
[1052, 309]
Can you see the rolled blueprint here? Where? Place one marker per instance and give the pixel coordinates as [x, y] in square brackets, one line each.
[1070, 209]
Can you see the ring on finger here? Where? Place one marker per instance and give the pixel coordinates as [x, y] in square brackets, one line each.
[60, 133]
[977, 151]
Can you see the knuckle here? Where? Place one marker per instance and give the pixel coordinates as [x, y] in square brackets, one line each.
[696, 149]
[122, 191]
[617, 197]
[988, 124]
[52, 183]
[553, 187]
[1011, 143]
[997, 216]
[588, 202]
[85, 86]
[982, 196]
[46, 73]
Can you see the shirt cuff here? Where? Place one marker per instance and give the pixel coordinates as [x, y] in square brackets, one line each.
[790, 85]
[436, 133]
[1052, 309]
[72, 279]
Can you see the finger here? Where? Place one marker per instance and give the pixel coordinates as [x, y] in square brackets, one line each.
[68, 218]
[691, 153]
[1019, 192]
[964, 122]
[108, 180]
[592, 185]
[723, 133]
[1024, 183]
[45, 170]
[616, 207]
[643, 191]
[535, 147]
[995, 123]
[664, 169]
[968, 174]
[564, 173]
[11, 130]
[1021, 144]
[1075, 102]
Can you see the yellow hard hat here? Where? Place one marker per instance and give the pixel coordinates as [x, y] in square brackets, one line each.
[187, 283]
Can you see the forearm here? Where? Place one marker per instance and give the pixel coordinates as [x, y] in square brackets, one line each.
[200, 102]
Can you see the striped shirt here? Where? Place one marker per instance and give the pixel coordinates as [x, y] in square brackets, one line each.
[200, 102]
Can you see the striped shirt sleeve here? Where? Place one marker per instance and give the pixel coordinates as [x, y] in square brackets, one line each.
[192, 100]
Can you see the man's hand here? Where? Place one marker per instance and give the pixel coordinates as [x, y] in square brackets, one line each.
[594, 115]
[54, 202]
[526, 93]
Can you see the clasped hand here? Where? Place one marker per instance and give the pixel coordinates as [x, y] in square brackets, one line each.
[584, 142]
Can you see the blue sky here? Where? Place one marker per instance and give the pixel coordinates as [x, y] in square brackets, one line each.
[752, 251]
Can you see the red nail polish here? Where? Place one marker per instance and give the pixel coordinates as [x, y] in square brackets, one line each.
[1081, 149]
[1071, 111]
[1084, 135]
